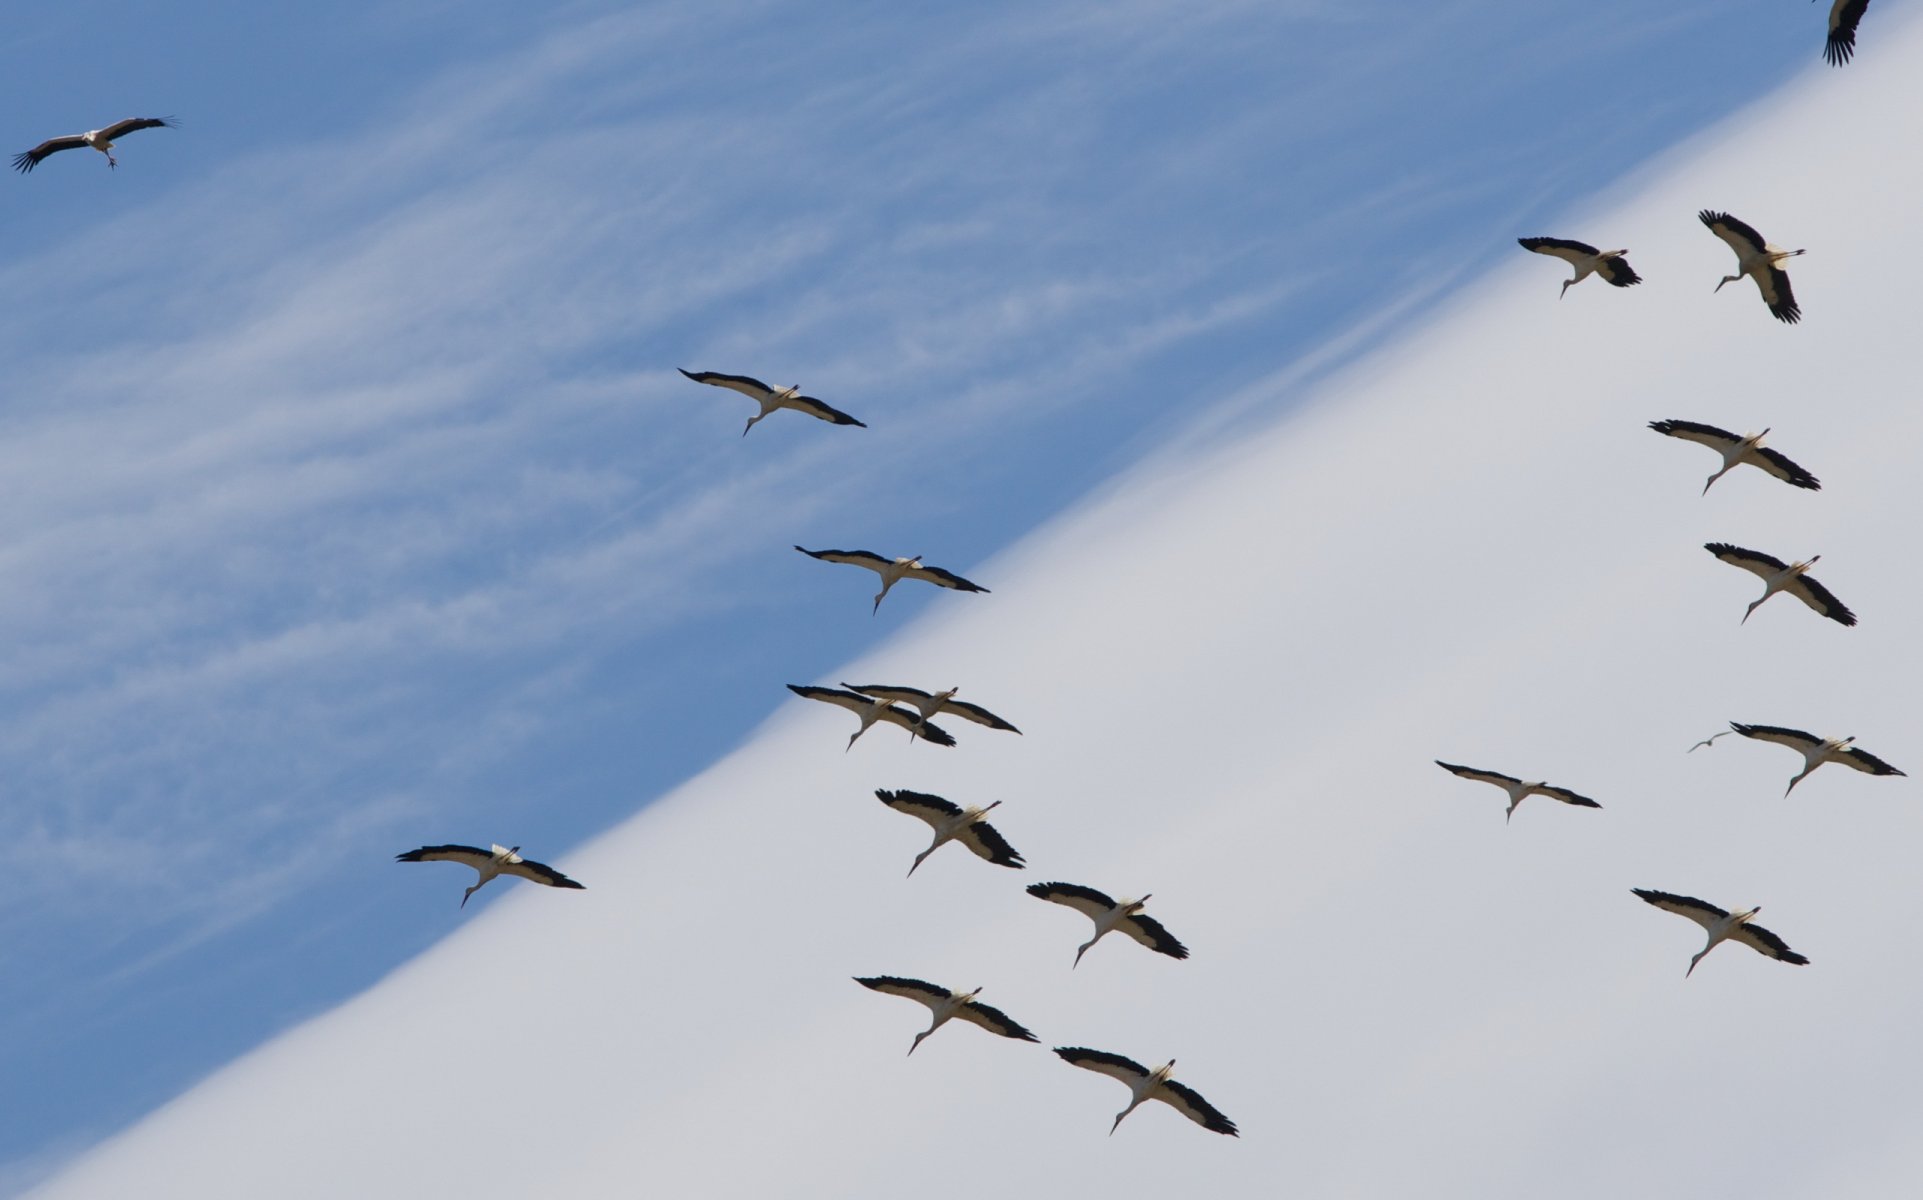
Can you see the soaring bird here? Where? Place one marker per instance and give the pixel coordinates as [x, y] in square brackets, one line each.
[946, 1004]
[1586, 259]
[894, 570]
[771, 398]
[1144, 1084]
[1721, 925]
[503, 860]
[1518, 789]
[1816, 751]
[1759, 260]
[930, 704]
[1109, 915]
[100, 139]
[1779, 576]
[951, 822]
[1736, 451]
[1841, 44]
[871, 709]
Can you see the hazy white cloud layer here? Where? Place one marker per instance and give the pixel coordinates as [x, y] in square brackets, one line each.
[1234, 666]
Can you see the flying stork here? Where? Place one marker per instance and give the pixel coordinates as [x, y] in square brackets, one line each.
[1759, 260]
[946, 1004]
[771, 398]
[503, 860]
[951, 822]
[1722, 925]
[1708, 741]
[1518, 789]
[1736, 451]
[871, 709]
[1144, 1084]
[1108, 916]
[894, 570]
[1816, 751]
[100, 139]
[1844, 15]
[1778, 576]
[929, 704]
[1586, 259]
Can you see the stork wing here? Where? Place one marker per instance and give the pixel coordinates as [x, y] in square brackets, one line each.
[1568, 251]
[1085, 900]
[854, 558]
[472, 856]
[539, 873]
[1795, 739]
[1187, 1101]
[911, 721]
[947, 579]
[1754, 561]
[932, 809]
[119, 129]
[1495, 777]
[747, 385]
[1103, 1063]
[1863, 760]
[28, 160]
[900, 695]
[1779, 465]
[977, 714]
[912, 989]
[1844, 15]
[816, 408]
[1148, 931]
[1616, 270]
[848, 700]
[1773, 283]
[1764, 942]
[1821, 599]
[1741, 238]
[1694, 431]
[1700, 911]
[994, 1020]
[1568, 797]
[987, 842]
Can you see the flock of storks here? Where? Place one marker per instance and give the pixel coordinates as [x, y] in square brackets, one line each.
[914, 709]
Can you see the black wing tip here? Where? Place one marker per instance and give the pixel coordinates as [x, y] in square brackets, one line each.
[25, 162]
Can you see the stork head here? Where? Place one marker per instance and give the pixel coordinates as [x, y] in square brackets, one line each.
[1565, 288]
[1726, 279]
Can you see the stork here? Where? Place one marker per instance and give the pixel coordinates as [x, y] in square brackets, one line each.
[100, 139]
[1737, 451]
[1841, 45]
[1759, 260]
[502, 860]
[1722, 925]
[1778, 576]
[928, 704]
[1708, 741]
[870, 709]
[1144, 1084]
[1586, 259]
[894, 570]
[771, 398]
[1110, 915]
[1816, 751]
[946, 1005]
[952, 823]
[1518, 789]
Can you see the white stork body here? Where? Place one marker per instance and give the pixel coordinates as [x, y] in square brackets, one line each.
[1841, 44]
[100, 139]
[952, 823]
[1721, 926]
[1737, 451]
[1586, 259]
[1518, 789]
[770, 398]
[501, 860]
[894, 570]
[1144, 1084]
[871, 709]
[1779, 576]
[1110, 915]
[1759, 260]
[946, 1005]
[1816, 751]
[930, 704]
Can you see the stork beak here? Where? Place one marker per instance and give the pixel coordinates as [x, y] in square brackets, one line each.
[1718, 287]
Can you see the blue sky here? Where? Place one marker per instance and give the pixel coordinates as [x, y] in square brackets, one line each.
[352, 501]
